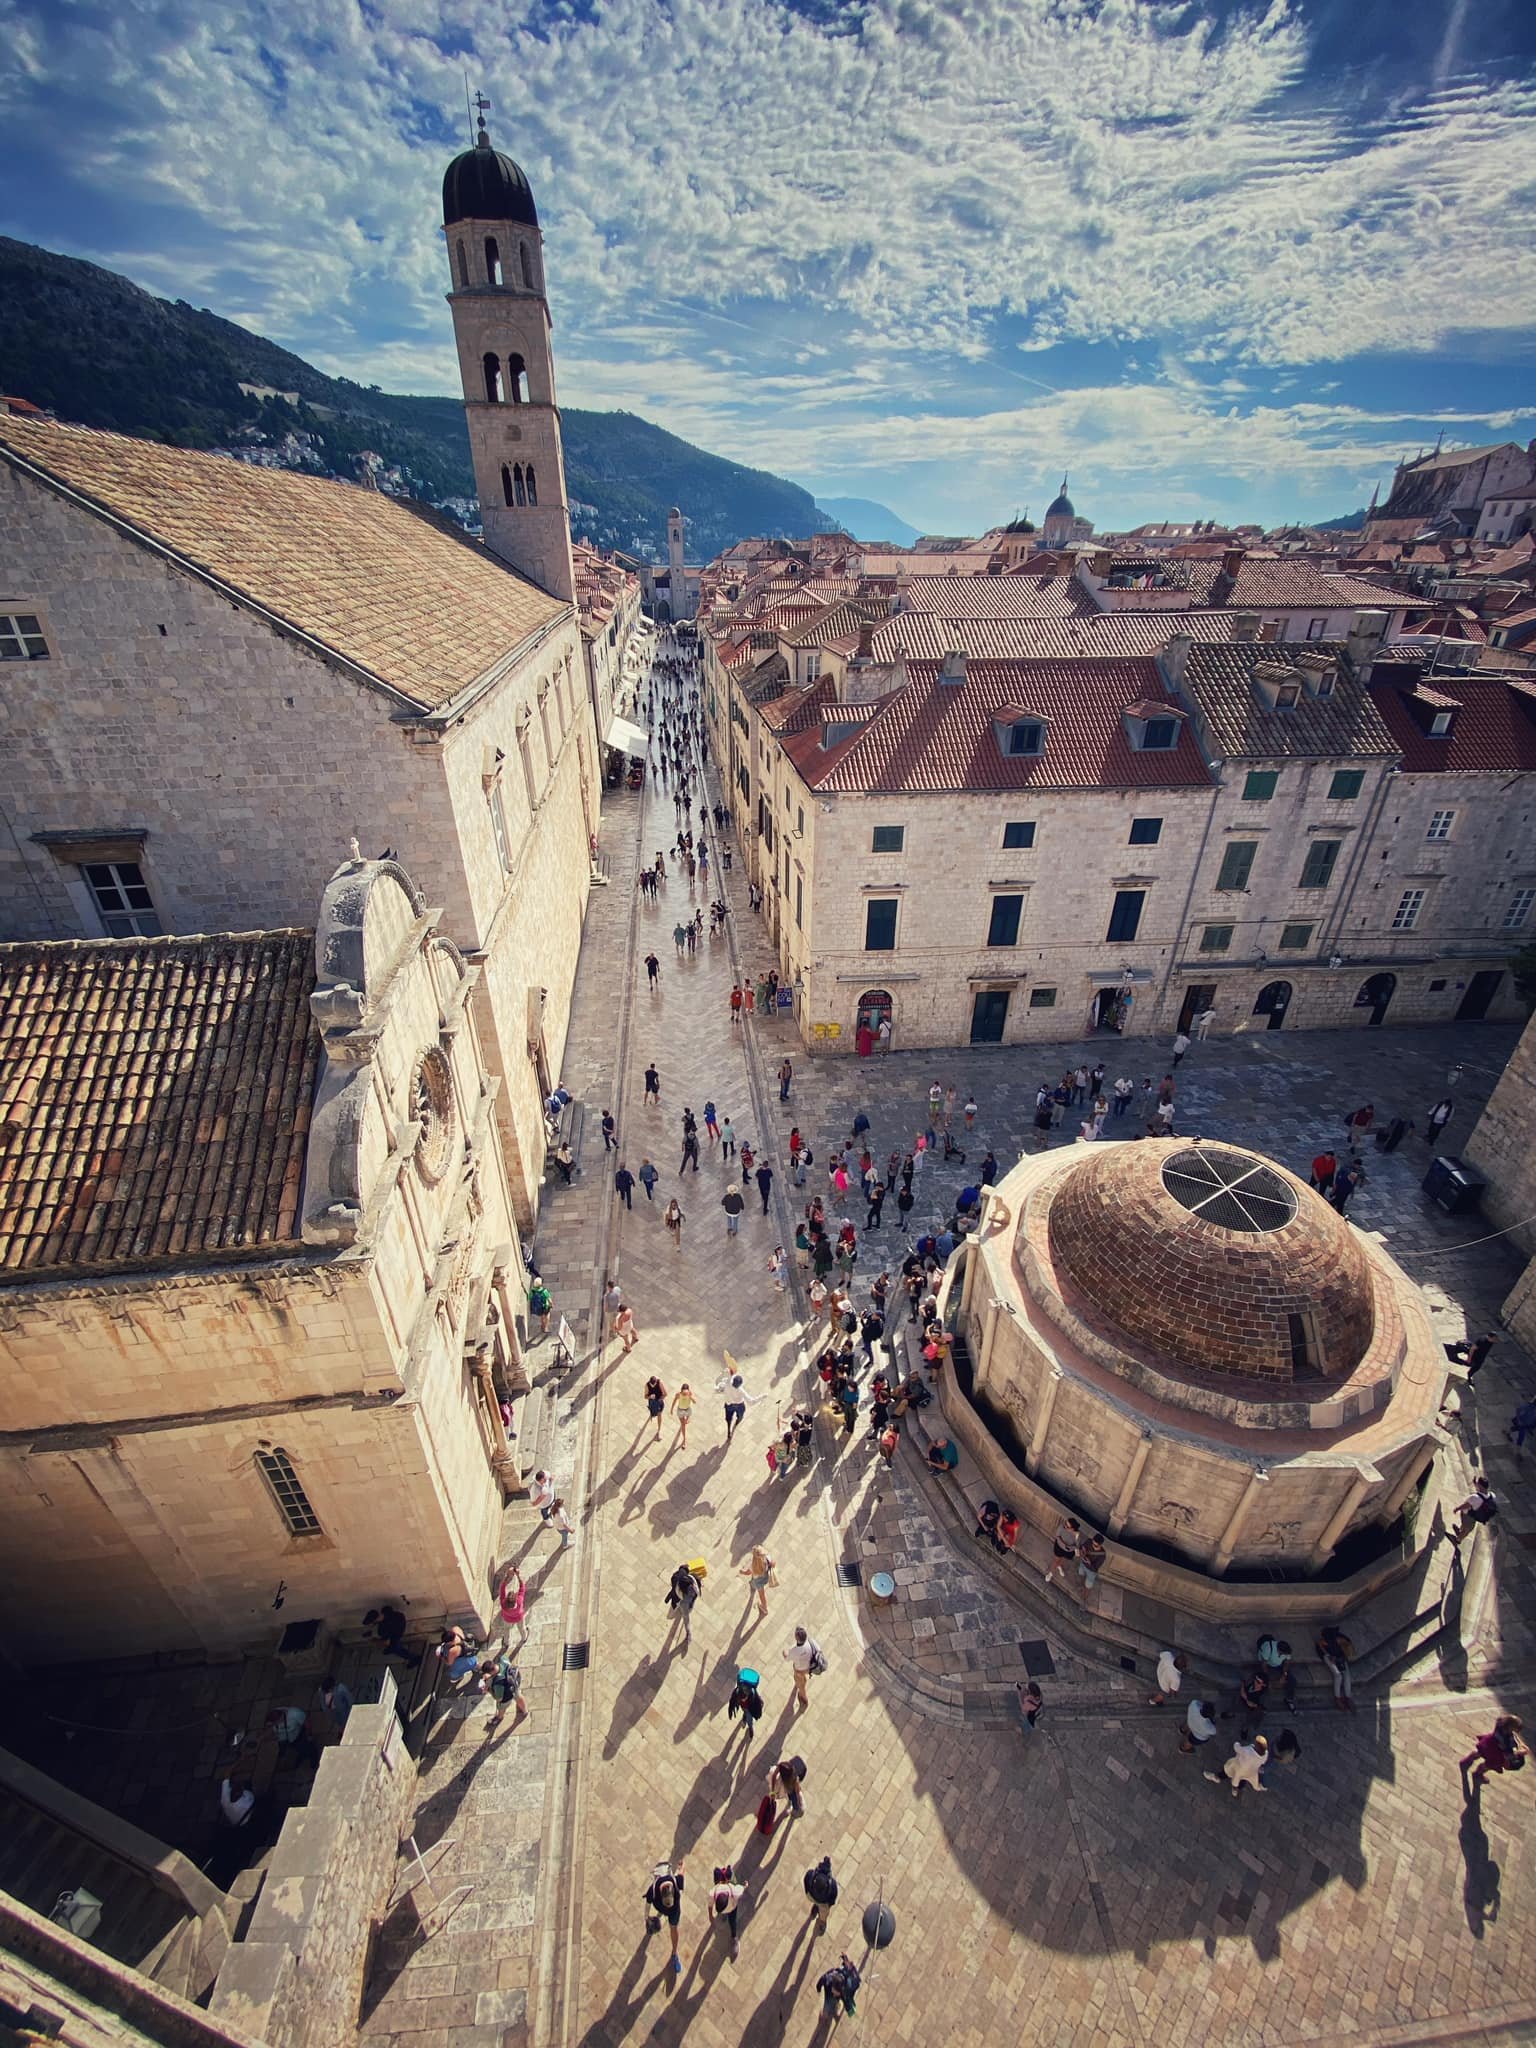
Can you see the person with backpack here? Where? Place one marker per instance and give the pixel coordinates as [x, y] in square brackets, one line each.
[725, 1896]
[664, 1901]
[541, 1304]
[787, 1776]
[682, 1591]
[821, 1890]
[1480, 1506]
[747, 1701]
[502, 1679]
[758, 1571]
[804, 1658]
[838, 1987]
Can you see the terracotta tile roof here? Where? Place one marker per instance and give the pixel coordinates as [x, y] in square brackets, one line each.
[385, 583]
[1283, 583]
[993, 597]
[1218, 680]
[837, 620]
[1493, 732]
[1004, 638]
[154, 1099]
[937, 737]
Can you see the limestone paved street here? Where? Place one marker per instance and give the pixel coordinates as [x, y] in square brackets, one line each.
[1084, 1885]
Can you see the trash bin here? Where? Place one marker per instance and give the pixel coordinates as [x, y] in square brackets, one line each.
[1455, 1186]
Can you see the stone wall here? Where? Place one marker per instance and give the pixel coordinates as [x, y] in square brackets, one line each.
[1503, 1146]
[296, 1978]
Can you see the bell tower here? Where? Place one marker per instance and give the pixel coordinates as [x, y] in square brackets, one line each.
[677, 575]
[506, 362]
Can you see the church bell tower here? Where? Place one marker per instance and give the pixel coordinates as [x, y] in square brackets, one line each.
[506, 361]
[677, 574]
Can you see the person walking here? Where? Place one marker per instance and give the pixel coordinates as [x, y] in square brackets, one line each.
[512, 1601]
[565, 1161]
[758, 1572]
[1064, 1545]
[652, 1087]
[725, 1897]
[1345, 1183]
[542, 1494]
[712, 1124]
[682, 1408]
[679, 938]
[747, 1701]
[1244, 1766]
[838, 1987]
[1031, 1705]
[733, 1205]
[1472, 1353]
[1500, 1750]
[664, 1902]
[787, 1776]
[786, 1076]
[653, 972]
[682, 1592]
[624, 1185]
[803, 1657]
[820, 1888]
[540, 1303]
[624, 1329]
[648, 1178]
[1171, 1666]
[1180, 1046]
[1324, 1167]
[672, 1217]
[690, 1149]
[727, 1138]
[737, 1400]
[777, 1266]
[1481, 1505]
[764, 1179]
[610, 1132]
[736, 1002]
[1091, 1553]
[655, 1402]
[1438, 1118]
[560, 1520]
[1521, 1424]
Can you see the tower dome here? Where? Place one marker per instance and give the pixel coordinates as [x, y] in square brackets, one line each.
[1024, 525]
[482, 184]
[1213, 1261]
[1060, 507]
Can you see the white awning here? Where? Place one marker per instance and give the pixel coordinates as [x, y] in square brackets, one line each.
[631, 738]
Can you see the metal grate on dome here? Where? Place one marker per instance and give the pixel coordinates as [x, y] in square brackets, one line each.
[1229, 1189]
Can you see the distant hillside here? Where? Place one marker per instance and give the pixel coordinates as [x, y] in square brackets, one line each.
[865, 519]
[93, 347]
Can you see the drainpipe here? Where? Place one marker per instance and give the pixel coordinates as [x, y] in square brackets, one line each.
[1335, 932]
[1258, 1479]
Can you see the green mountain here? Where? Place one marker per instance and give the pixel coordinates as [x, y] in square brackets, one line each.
[93, 347]
[866, 519]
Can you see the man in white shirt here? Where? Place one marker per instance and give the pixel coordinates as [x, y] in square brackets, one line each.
[737, 1400]
[1171, 1666]
[543, 1494]
[1199, 1725]
[1243, 1766]
[801, 1654]
[236, 1805]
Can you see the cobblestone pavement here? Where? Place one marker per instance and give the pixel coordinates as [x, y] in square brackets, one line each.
[1081, 1885]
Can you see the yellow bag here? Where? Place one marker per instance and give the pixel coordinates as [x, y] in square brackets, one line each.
[699, 1568]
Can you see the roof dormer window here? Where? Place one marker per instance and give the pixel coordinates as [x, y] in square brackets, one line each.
[1024, 736]
[1151, 727]
[1440, 723]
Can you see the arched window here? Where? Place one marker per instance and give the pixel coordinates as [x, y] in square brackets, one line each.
[533, 489]
[517, 485]
[523, 251]
[517, 380]
[492, 261]
[463, 266]
[493, 390]
[506, 483]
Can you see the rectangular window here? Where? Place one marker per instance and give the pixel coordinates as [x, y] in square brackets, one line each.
[1237, 864]
[1295, 938]
[1406, 915]
[799, 903]
[1042, 999]
[1440, 824]
[1125, 918]
[1315, 628]
[1346, 783]
[1317, 871]
[888, 839]
[1159, 735]
[292, 1501]
[499, 828]
[1004, 927]
[786, 799]
[1259, 785]
[122, 899]
[1519, 909]
[1216, 938]
[799, 821]
[21, 637]
[1026, 737]
[880, 924]
[1146, 831]
[1020, 832]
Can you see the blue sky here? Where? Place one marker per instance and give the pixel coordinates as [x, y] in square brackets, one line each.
[1226, 261]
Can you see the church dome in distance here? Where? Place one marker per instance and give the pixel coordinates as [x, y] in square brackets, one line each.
[1061, 507]
[1024, 525]
[482, 184]
[1213, 1261]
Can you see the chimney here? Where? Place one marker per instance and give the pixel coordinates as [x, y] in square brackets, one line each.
[1232, 562]
[1175, 658]
[952, 668]
[1246, 626]
[866, 647]
[1364, 642]
[1099, 563]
